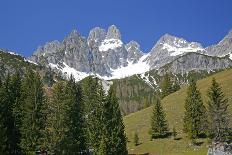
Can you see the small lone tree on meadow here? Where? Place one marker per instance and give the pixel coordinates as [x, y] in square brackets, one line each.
[218, 115]
[159, 126]
[136, 139]
[174, 133]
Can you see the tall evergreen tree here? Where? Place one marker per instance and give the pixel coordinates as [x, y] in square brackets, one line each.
[8, 120]
[33, 113]
[94, 98]
[113, 125]
[195, 112]
[159, 126]
[56, 126]
[75, 135]
[218, 115]
[3, 135]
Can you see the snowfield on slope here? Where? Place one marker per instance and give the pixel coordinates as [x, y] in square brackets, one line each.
[138, 68]
[180, 50]
[110, 44]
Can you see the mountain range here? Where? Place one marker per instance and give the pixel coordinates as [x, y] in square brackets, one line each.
[105, 54]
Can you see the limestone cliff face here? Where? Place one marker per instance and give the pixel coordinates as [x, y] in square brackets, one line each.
[104, 53]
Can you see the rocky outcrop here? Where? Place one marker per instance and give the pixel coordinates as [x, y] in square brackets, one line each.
[223, 48]
[169, 48]
[220, 149]
[196, 62]
[100, 53]
[104, 53]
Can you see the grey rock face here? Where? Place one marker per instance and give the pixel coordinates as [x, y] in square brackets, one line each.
[73, 51]
[100, 52]
[224, 47]
[168, 48]
[104, 51]
[196, 62]
[113, 33]
[220, 149]
[134, 52]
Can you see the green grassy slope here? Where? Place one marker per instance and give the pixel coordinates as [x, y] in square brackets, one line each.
[174, 107]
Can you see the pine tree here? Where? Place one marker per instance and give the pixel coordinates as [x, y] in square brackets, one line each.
[33, 113]
[56, 126]
[174, 133]
[15, 87]
[159, 126]
[195, 113]
[8, 98]
[3, 135]
[94, 97]
[136, 139]
[218, 115]
[76, 139]
[113, 125]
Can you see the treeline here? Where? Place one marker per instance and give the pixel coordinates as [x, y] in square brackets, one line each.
[199, 121]
[69, 119]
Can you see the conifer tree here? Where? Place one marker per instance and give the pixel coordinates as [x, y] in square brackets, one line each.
[136, 139]
[94, 98]
[159, 126]
[218, 114]
[75, 135]
[113, 125]
[8, 120]
[195, 113]
[33, 113]
[174, 133]
[56, 126]
[3, 135]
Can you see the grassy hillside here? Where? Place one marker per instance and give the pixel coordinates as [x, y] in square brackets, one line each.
[174, 107]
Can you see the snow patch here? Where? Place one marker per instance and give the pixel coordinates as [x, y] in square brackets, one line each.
[106, 85]
[137, 68]
[110, 44]
[180, 50]
[147, 80]
[32, 62]
[68, 71]
[231, 56]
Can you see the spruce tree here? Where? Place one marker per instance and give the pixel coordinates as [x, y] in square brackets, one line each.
[113, 125]
[75, 135]
[33, 113]
[136, 139]
[3, 135]
[56, 126]
[8, 120]
[218, 114]
[195, 113]
[174, 133]
[15, 92]
[159, 126]
[94, 98]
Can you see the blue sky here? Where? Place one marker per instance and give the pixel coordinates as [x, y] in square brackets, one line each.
[26, 24]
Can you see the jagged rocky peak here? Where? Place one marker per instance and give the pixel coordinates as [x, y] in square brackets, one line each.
[169, 47]
[113, 33]
[173, 41]
[97, 34]
[134, 52]
[49, 47]
[223, 48]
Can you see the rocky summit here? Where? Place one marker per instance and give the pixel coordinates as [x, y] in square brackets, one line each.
[105, 54]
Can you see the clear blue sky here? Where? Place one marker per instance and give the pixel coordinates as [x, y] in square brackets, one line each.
[26, 24]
